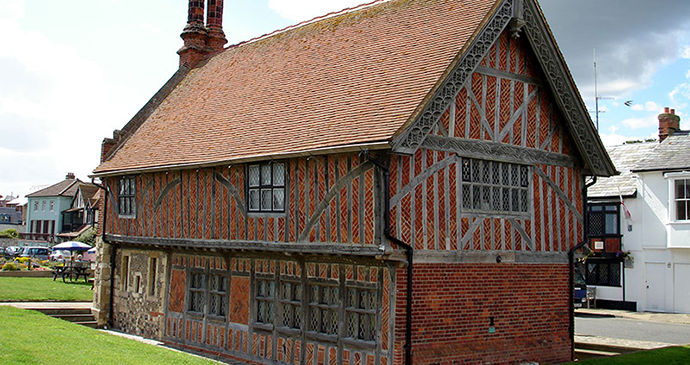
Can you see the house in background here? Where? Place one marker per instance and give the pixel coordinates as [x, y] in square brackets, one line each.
[652, 224]
[82, 213]
[400, 182]
[44, 209]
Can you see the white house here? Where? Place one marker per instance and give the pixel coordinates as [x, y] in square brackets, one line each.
[653, 224]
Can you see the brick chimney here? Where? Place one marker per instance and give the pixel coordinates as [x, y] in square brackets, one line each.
[70, 176]
[669, 122]
[202, 40]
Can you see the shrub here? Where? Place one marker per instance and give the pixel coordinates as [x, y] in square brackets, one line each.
[23, 260]
[10, 266]
[9, 233]
[88, 237]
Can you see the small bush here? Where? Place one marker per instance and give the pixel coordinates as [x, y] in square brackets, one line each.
[23, 260]
[88, 237]
[10, 266]
[9, 233]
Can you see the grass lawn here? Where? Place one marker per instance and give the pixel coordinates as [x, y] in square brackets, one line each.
[43, 289]
[677, 355]
[30, 337]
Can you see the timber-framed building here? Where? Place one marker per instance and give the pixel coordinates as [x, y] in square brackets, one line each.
[268, 202]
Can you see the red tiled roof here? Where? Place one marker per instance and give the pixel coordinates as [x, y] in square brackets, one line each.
[351, 78]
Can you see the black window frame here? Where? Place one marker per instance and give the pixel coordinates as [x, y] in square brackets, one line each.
[127, 197]
[597, 224]
[266, 185]
[603, 272]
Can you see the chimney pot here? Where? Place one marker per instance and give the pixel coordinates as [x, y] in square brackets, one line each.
[669, 122]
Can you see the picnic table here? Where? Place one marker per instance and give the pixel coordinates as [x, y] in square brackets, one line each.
[72, 270]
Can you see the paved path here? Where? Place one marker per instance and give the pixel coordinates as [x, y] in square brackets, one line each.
[627, 329]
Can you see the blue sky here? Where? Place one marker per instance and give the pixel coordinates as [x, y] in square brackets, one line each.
[72, 71]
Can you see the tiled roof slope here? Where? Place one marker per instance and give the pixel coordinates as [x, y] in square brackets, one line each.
[671, 154]
[625, 157]
[67, 187]
[351, 78]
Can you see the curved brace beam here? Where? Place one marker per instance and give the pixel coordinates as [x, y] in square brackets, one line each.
[346, 179]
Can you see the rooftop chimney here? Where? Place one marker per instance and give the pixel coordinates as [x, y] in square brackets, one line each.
[70, 176]
[669, 122]
[202, 40]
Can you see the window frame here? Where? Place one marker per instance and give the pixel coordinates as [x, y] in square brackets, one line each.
[127, 196]
[193, 291]
[495, 188]
[265, 300]
[291, 300]
[360, 313]
[272, 187]
[321, 308]
[594, 277]
[675, 200]
[602, 209]
[222, 295]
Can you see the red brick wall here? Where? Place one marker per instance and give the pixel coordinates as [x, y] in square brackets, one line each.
[451, 314]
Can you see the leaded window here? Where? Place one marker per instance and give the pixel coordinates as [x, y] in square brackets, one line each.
[324, 301]
[265, 300]
[197, 295]
[603, 219]
[291, 303]
[126, 197]
[604, 273]
[494, 187]
[682, 199]
[361, 313]
[217, 295]
[266, 182]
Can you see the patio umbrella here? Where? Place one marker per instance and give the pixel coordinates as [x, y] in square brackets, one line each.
[72, 246]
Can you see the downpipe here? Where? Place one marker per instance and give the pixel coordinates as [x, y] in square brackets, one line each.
[571, 265]
[408, 253]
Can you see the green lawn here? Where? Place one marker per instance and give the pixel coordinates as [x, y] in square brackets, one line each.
[30, 337]
[678, 355]
[43, 289]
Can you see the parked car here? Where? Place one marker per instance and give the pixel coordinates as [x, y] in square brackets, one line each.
[61, 255]
[12, 251]
[41, 253]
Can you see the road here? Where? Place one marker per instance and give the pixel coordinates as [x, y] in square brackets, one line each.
[633, 330]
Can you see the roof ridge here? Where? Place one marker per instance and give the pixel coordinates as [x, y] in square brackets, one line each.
[306, 22]
[69, 186]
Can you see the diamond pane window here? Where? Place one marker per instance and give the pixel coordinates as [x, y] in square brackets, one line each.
[323, 308]
[197, 295]
[217, 295]
[291, 300]
[265, 301]
[126, 198]
[604, 219]
[361, 314]
[266, 183]
[495, 187]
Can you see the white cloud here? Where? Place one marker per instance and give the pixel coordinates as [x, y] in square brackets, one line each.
[637, 123]
[649, 106]
[300, 10]
[686, 52]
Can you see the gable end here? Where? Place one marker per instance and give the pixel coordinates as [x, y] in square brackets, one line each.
[414, 135]
[586, 138]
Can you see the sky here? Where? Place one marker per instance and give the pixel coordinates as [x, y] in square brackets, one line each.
[72, 71]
